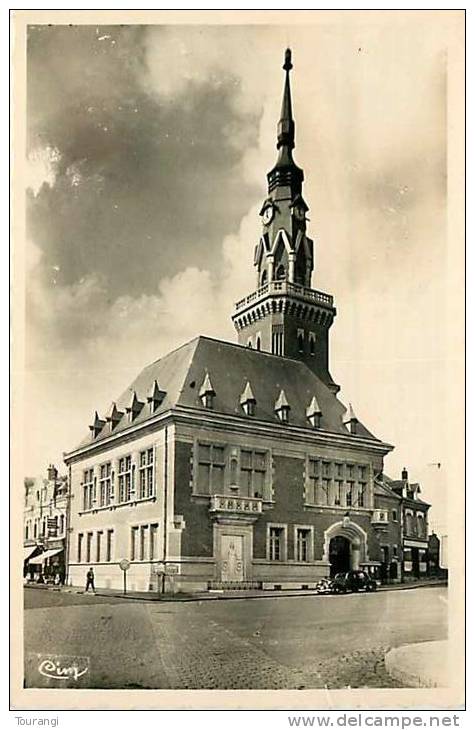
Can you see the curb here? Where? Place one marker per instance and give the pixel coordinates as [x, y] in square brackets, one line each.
[419, 665]
[170, 598]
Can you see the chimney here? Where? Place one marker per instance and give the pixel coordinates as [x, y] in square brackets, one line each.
[404, 475]
[52, 473]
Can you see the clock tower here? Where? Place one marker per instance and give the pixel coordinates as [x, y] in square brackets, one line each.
[285, 315]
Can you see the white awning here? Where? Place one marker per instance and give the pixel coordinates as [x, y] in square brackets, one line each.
[44, 556]
[27, 551]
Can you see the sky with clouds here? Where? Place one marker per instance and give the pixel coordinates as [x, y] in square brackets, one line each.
[147, 153]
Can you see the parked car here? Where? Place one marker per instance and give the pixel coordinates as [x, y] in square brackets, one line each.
[354, 580]
[325, 586]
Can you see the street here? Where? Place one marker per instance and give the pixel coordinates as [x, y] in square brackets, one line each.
[270, 643]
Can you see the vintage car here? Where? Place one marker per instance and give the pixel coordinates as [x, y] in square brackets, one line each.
[354, 580]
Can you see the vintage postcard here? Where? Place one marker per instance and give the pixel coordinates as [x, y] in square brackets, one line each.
[238, 359]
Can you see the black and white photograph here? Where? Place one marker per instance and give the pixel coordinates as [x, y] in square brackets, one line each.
[238, 346]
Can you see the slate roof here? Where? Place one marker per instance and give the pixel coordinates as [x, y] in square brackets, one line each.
[385, 486]
[230, 367]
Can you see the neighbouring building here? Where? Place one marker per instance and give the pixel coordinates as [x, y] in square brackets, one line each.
[45, 518]
[233, 465]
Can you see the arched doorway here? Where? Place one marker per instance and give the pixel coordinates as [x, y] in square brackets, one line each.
[339, 555]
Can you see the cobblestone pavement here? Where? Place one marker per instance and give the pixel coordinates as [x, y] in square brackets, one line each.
[283, 643]
[218, 659]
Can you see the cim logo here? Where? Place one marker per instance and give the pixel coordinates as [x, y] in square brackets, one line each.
[56, 670]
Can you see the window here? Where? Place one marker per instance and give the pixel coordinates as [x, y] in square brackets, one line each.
[105, 484]
[88, 488]
[350, 470]
[339, 492]
[88, 547]
[277, 340]
[153, 542]
[300, 340]
[134, 543]
[313, 481]
[303, 544]
[61, 525]
[395, 519]
[276, 543]
[408, 523]
[35, 530]
[258, 343]
[143, 541]
[210, 469]
[264, 278]
[361, 494]
[80, 540]
[146, 474]
[395, 551]
[109, 545]
[420, 526]
[125, 479]
[26, 531]
[311, 338]
[99, 546]
[348, 497]
[253, 472]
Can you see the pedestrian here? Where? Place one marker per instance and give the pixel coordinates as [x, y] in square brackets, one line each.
[90, 580]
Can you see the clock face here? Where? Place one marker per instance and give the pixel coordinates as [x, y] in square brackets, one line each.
[268, 214]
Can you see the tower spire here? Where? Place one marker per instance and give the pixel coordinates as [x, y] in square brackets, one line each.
[285, 172]
[286, 126]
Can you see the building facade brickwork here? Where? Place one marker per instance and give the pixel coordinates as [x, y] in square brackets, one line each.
[235, 465]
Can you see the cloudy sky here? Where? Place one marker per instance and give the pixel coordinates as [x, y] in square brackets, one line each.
[147, 153]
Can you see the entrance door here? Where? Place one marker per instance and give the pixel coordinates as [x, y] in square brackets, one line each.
[232, 567]
[415, 562]
[339, 555]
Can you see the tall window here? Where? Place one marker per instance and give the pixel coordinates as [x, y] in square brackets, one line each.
[26, 531]
[61, 525]
[80, 540]
[300, 340]
[313, 481]
[420, 526]
[361, 493]
[311, 336]
[125, 478]
[143, 541]
[105, 484]
[134, 534]
[146, 474]
[88, 547]
[253, 472]
[153, 541]
[303, 545]
[210, 469]
[99, 546]
[339, 492]
[277, 340]
[408, 523]
[276, 543]
[88, 488]
[348, 497]
[109, 545]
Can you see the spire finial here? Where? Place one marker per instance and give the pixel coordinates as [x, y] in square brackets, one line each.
[287, 60]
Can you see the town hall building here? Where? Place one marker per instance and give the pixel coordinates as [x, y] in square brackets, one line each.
[229, 466]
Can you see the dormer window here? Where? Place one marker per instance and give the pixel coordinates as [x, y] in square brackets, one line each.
[314, 413]
[207, 392]
[155, 397]
[134, 408]
[282, 408]
[114, 416]
[97, 426]
[248, 401]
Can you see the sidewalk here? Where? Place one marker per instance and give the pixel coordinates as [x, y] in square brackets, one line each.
[419, 665]
[225, 595]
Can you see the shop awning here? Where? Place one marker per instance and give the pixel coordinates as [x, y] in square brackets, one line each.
[27, 551]
[44, 556]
